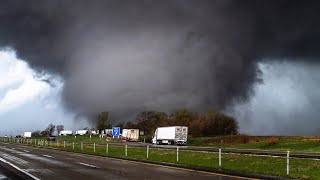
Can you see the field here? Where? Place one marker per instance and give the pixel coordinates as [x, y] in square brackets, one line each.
[292, 143]
[299, 168]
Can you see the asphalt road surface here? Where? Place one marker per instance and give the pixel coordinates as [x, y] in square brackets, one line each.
[38, 163]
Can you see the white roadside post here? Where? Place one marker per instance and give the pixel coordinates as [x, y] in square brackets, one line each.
[64, 144]
[219, 158]
[126, 150]
[107, 150]
[177, 154]
[94, 147]
[148, 152]
[288, 156]
[72, 145]
[81, 146]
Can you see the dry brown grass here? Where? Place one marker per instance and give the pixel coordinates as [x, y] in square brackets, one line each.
[242, 139]
[272, 140]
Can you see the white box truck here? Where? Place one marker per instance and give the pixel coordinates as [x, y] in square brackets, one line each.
[170, 135]
[130, 134]
[81, 132]
[27, 135]
[65, 133]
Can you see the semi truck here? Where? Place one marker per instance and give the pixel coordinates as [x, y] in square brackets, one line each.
[170, 135]
[26, 135]
[65, 133]
[130, 134]
[81, 132]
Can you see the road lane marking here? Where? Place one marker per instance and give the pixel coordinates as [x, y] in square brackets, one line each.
[89, 165]
[47, 156]
[13, 158]
[26, 151]
[19, 169]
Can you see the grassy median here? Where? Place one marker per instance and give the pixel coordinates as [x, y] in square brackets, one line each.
[299, 168]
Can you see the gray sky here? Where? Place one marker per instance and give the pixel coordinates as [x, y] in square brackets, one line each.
[287, 103]
[130, 56]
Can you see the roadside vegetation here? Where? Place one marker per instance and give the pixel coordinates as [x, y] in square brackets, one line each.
[292, 143]
[211, 123]
[268, 165]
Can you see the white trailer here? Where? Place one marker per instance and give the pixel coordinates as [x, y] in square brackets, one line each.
[26, 135]
[81, 132]
[170, 135]
[130, 134]
[65, 133]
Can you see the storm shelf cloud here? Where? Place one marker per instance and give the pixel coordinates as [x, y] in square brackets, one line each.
[131, 56]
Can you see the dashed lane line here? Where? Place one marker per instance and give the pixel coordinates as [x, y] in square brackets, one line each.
[89, 165]
[47, 156]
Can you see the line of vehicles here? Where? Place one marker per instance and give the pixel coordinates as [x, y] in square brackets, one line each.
[170, 135]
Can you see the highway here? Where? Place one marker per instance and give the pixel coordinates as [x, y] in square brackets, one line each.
[41, 163]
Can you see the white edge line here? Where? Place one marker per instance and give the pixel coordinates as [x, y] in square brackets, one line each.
[19, 169]
[88, 165]
[47, 156]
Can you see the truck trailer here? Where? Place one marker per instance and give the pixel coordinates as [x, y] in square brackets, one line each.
[81, 132]
[170, 135]
[65, 133]
[26, 135]
[130, 134]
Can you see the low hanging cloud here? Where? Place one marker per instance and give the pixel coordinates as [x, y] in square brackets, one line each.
[18, 83]
[130, 56]
[286, 103]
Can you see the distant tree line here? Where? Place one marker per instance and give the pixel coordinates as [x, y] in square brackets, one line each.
[199, 124]
[211, 123]
[48, 131]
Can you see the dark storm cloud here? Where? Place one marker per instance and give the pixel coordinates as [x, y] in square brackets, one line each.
[128, 56]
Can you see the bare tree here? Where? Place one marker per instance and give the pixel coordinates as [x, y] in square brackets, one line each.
[102, 121]
[50, 129]
[59, 128]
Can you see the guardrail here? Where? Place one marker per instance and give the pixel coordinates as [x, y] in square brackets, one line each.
[227, 158]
